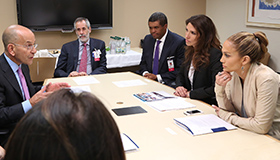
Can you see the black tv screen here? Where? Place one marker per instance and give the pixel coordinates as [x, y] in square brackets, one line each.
[50, 15]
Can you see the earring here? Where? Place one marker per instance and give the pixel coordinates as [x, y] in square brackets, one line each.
[242, 70]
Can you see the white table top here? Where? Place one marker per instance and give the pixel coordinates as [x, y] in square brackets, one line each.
[130, 58]
[160, 138]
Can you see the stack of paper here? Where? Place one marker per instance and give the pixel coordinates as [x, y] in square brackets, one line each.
[203, 124]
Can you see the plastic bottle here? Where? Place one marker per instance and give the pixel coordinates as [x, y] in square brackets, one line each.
[118, 44]
[112, 45]
[127, 43]
[123, 46]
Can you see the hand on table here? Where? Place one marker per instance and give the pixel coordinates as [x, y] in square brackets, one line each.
[76, 74]
[150, 76]
[182, 92]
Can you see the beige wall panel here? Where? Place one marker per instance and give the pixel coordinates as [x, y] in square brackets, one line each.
[230, 17]
[129, 19]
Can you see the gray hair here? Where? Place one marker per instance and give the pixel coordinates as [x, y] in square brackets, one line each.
[79, 19]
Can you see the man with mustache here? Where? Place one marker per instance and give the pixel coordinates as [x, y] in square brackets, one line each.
[163, 51]
[84, 56]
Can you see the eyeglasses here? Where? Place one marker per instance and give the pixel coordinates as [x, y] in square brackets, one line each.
[28, 47]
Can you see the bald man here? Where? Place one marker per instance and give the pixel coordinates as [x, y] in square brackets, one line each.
[17, 94]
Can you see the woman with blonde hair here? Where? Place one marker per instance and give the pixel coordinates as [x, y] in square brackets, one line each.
[248, 91]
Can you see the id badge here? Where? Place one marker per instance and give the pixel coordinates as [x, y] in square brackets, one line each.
[170, 65]
[96, 54]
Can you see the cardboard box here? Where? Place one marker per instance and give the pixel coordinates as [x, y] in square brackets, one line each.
[42, 68]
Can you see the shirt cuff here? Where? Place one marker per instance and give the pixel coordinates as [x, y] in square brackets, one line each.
[159, 79]
[144, 73]
[26, 105]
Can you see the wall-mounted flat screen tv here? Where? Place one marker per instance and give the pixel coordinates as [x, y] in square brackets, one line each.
[54, 15]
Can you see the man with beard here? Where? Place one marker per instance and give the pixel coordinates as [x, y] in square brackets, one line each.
[84, 56]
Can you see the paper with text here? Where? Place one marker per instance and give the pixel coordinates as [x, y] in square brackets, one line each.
[79, 89]
[163, 101]
[203, 124]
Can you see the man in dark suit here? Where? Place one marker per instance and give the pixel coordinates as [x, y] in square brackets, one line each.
[163, 51]
[84, 56]
[17, 94]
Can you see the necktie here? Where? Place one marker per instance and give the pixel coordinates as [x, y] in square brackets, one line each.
[83, 63]
[155, 65]
[23, 84]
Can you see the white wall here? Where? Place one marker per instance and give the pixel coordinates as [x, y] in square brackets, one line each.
[229, 17]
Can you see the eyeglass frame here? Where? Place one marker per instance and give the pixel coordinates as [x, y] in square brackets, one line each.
[26, 46]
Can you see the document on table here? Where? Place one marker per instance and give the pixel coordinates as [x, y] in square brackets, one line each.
[203, 124]
[85, 80]
[129, 83]
[79, 89]
[128, 143]
[163, 101]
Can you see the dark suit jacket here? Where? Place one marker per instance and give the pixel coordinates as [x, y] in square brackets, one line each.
[11, 97]
[173, 48]
[69, 57]
[203, 79]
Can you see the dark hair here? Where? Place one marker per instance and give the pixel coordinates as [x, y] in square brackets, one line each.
[208, 37]
[66, 126]
[158, 16]
[252, 44]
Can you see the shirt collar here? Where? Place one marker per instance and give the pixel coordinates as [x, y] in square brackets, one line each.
[12, 64]
[81, 43]
[163, 37]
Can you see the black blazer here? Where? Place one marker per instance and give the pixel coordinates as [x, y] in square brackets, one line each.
[203, 80]
[11, 97]
[68, 58]
[174, 48]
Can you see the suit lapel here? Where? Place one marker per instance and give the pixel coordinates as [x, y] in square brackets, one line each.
[76, 54]
[9, 74]
[164, 53]
[150, 58]
[91, 42]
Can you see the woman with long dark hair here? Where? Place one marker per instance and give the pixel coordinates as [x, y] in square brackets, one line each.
[196, 79]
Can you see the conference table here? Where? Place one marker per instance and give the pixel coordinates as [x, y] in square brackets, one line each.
[156, 133]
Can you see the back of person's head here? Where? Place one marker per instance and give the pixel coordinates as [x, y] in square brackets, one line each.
[79, 19]
[208, 35]
[158, 16]
[66, 126]
[252, 44]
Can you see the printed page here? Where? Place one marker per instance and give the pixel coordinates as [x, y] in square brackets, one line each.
[163, 101]
[85, 80]
[79, 89]
[170, 104]
[203, 124]
[129, 83]
[153, 96]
